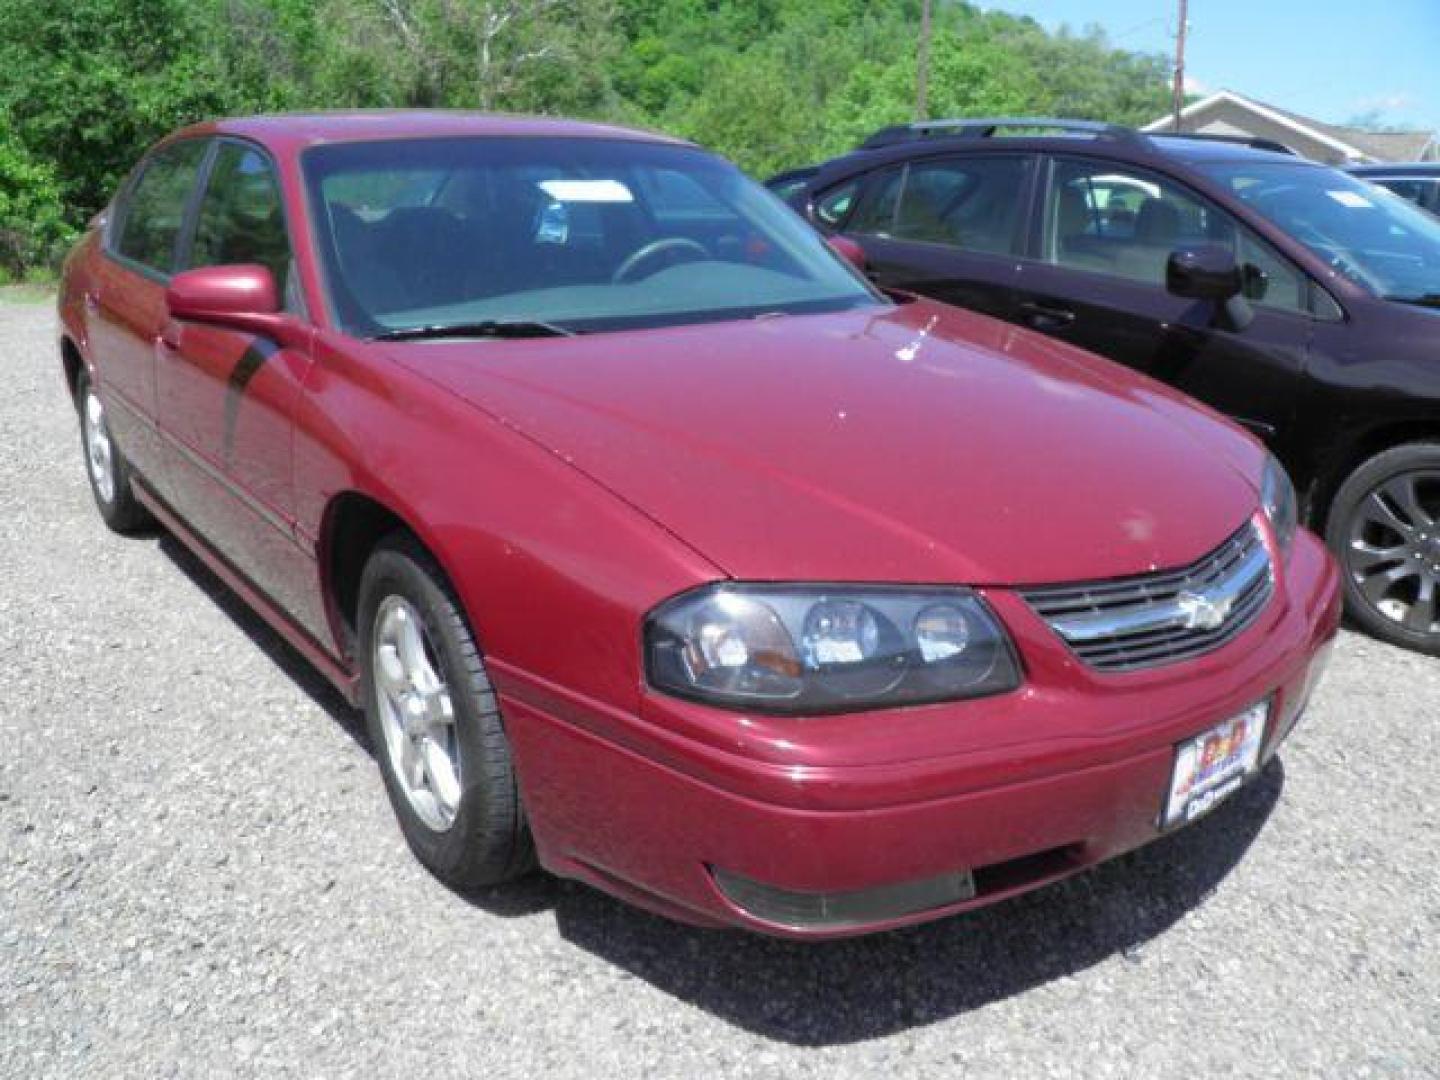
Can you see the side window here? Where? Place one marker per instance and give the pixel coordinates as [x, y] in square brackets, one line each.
[876, 213]
[152, 215]
[833, 207]
[240, 219]
[1126, 224]
[1414, 190]
[672, 194]
[1270, 280]
[1422, 190]
[968, 203]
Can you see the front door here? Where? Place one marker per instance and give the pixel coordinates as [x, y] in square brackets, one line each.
[227, 398]
[1106, 234]
[126, 311]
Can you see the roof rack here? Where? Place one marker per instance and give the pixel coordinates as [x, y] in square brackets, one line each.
[985, 127]
[1255, 142]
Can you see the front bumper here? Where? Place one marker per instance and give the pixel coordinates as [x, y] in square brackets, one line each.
[1019, 790]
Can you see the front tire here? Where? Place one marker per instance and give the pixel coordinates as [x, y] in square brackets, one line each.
[106, 467]
[1384, 526]
[435, 723]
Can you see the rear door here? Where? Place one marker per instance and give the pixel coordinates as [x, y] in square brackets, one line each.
[1096, 278]
[226, 398]
[949, 227]
[127, 306]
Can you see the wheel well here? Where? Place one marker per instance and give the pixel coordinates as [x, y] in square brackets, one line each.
[74, 364]
[1356, 452]
[356, 525]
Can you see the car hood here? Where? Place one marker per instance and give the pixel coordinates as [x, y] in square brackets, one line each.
[912, 443]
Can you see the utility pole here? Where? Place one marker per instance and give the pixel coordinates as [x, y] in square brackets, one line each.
[922, 65]
[1179, 102]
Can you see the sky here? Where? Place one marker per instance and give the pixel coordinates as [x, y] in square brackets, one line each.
[1327, 59]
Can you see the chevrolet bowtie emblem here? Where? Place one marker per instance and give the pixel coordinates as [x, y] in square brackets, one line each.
[1199, 612]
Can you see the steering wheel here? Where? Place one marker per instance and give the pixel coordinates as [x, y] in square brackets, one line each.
[626, 270]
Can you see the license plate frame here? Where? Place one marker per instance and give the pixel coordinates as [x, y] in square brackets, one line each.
[1209, 767]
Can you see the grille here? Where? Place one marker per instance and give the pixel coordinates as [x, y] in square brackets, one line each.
[1153, 619]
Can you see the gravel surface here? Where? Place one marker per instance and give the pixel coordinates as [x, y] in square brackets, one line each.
[200, 877]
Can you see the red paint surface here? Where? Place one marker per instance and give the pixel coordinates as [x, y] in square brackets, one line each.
[567, 486]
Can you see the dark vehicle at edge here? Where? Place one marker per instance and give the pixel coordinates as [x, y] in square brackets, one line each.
[1297, 299]
[1420, 183]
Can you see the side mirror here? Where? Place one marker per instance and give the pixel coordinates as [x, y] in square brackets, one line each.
[240, 297]
[1209, 272]
[1203, 273]
[850, 251]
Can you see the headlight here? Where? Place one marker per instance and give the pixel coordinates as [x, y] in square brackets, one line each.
[816, 649]
[1277, 499]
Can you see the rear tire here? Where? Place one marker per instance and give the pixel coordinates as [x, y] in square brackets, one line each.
[435, 723]
[106, 467]
[1384, 527]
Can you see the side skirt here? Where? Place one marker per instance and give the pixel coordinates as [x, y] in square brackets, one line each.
[344, 679]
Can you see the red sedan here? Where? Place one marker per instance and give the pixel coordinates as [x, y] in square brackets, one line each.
[662, 548]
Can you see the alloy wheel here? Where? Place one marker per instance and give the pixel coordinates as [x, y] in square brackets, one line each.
[417, 714]
[99, 450]
[1393, 549]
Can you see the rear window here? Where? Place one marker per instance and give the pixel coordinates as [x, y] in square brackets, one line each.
[151, 217]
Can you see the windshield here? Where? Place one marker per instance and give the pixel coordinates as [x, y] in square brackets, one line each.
[1375, 238]
[580, 234]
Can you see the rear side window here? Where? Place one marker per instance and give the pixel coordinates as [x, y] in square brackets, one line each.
[240, 219]
[972, 204]
[151, 218]
[674, 195]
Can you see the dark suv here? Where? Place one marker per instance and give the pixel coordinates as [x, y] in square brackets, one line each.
[1420, 183]
[1300, 301]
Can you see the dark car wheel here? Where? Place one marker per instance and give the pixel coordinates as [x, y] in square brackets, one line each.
[1385, 528]
[106, 467]
[435, 723]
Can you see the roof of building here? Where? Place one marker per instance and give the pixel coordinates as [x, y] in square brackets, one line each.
[1352, 142]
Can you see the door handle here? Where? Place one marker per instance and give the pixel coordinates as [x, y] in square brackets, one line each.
[1045, 317]
[169, 336]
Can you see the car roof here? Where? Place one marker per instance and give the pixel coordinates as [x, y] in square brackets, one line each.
[298, 130]
[1201, 150]
[1115, 144]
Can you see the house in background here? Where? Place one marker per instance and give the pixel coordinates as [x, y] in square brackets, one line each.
[1228, 113]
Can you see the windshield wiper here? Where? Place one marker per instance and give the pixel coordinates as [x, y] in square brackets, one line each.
[488, 328]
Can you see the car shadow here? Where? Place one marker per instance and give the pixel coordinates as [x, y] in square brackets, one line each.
[280, 651]
[837, 992]
[830, 993]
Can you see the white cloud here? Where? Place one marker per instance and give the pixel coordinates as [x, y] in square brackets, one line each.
[1194, 85]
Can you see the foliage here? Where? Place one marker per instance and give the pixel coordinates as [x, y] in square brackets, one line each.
[85, 85]
[32, 216]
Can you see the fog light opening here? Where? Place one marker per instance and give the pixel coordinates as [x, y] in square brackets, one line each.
[831, 910]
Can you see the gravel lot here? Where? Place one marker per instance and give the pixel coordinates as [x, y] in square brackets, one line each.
[200, 876]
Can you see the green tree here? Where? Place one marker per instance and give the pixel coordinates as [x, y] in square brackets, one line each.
[85, 85]
[33, 231]
[88, 83]
[516, 55]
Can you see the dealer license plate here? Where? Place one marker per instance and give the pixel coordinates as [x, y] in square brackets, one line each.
[1212, 765]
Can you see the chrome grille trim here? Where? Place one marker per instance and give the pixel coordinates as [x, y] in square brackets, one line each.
[1154, 619]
